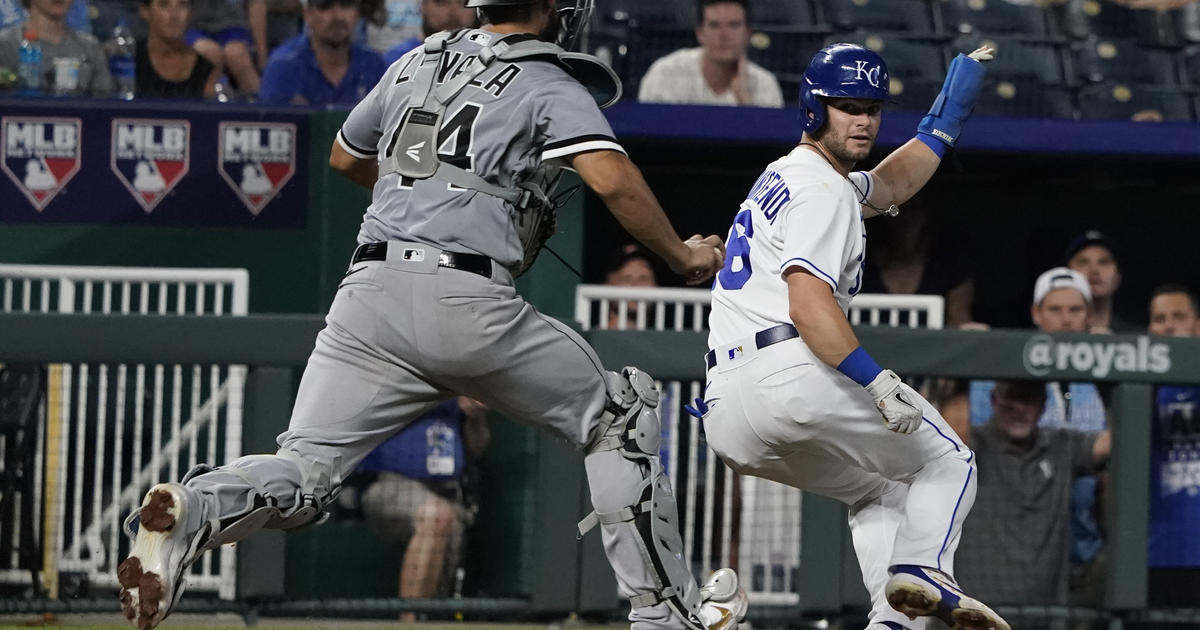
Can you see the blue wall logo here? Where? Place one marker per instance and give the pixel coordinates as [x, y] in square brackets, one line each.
[150, 156]
[40, 155]
[256, 159]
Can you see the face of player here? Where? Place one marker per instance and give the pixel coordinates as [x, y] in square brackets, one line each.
[1172, 314]
[1097, 264]
[636, 272]
[445, 15]
[166, 19]
[1062, 310]
[850, 128]
[54, 9]
[724, 33]
[330, 22]
[1016, 413]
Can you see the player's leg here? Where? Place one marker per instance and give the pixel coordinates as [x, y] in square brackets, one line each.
[534, 369]
[350, 400]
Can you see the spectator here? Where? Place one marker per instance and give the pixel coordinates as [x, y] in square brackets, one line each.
[223, 31]
[419, 500]
[1061, 300]
[631, 267]
[62, 47]
[323, 66]
[12, 12]
[436, 16]
[390, 22]
[1014, 547]
[1175, 453]
[166, 66]
[718, 72]
[1094, 256]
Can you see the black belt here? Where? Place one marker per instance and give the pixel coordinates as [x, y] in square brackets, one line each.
[762, 339]
[473, 263]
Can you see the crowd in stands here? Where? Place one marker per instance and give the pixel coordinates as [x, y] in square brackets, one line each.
[1131, 59]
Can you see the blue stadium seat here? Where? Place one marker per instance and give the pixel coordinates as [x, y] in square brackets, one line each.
[1016, 58]
[790, 13]
[906, 58]
[1081, 19]
[995, 17]
[1104, 60]
[1024, 98]
[911, 17]
[784, 51]
[1114, 100]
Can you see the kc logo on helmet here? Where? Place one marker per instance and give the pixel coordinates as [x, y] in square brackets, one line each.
[256, 159]
[40, 155]
[150, 156]
[861, 72]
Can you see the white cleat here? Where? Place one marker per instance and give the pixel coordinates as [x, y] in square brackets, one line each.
[723, 602]
[153, 576]
[924, 592]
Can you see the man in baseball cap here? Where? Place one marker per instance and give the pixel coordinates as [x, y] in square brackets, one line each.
[1061, 299]
[1095, 256]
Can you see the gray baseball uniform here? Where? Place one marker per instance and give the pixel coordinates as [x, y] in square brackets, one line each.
[405, 331]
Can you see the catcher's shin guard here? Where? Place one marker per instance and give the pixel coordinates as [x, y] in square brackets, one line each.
[633, 430]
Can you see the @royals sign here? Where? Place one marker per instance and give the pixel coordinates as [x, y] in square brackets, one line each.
[1044, 354]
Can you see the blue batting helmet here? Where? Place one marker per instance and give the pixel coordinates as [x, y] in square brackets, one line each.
[841, 71]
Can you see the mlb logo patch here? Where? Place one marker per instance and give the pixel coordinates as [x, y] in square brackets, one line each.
[256, 159]
[40, 155]
[150, 156]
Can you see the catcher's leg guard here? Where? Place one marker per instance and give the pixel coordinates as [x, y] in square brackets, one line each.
[631, 428]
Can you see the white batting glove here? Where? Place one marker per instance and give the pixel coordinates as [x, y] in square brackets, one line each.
[898, 403]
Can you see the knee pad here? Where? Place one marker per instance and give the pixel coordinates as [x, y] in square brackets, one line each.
[633, 429]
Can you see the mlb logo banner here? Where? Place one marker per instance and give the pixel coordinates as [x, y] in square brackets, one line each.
[256, 159]
[40, 154]
[150, 156]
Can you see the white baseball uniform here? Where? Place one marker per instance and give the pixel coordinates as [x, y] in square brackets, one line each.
[780, 413]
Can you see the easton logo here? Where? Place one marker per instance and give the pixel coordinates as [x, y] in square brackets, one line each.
[150, 156]
[256, 159]
[40, 155]
[1043, 354]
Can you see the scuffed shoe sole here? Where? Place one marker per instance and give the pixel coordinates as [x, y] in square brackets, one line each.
[915, 597]
[146, 597]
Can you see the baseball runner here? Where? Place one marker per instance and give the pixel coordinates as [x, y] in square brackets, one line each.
[462, 142]
[792, 396]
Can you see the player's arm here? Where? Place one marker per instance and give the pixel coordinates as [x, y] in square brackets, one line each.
[827, 333]
[619, 183]
[363, 172]
[907, 169]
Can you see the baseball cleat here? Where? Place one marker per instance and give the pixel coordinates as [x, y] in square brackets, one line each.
[152, 577]
[723, 601]
[923, 592]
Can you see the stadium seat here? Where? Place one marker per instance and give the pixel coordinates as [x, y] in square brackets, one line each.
[1191, 66]
[994, 17]
[1187, 19]
[1081, 19]
[646, 45]
[1115, 100]
[659, 13]
[1016, 58]
[790, 13]
[913, 94]
[911, 17]
[1003, 97]
[784, 51]
[1113, 60]
[906, 59]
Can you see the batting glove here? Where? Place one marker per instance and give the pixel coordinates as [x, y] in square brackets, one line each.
[898, 403]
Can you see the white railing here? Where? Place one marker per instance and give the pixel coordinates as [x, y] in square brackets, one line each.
[109, 432]
[767, 549]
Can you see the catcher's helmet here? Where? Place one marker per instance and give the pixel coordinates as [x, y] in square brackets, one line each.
[841, 71]
[573, 16]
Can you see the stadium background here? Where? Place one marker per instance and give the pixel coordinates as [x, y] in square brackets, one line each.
[1017, 189]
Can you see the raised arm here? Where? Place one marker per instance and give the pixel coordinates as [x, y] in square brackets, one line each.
[907, 169]
[619, 183]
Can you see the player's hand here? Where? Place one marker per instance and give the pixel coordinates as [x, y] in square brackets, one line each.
[983, 53]
[898, 403]
[706, 256]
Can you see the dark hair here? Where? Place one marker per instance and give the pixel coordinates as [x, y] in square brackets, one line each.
[507, 14]
[1175, 287]
[1021, 389]
[626, 253]
[701, 5]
